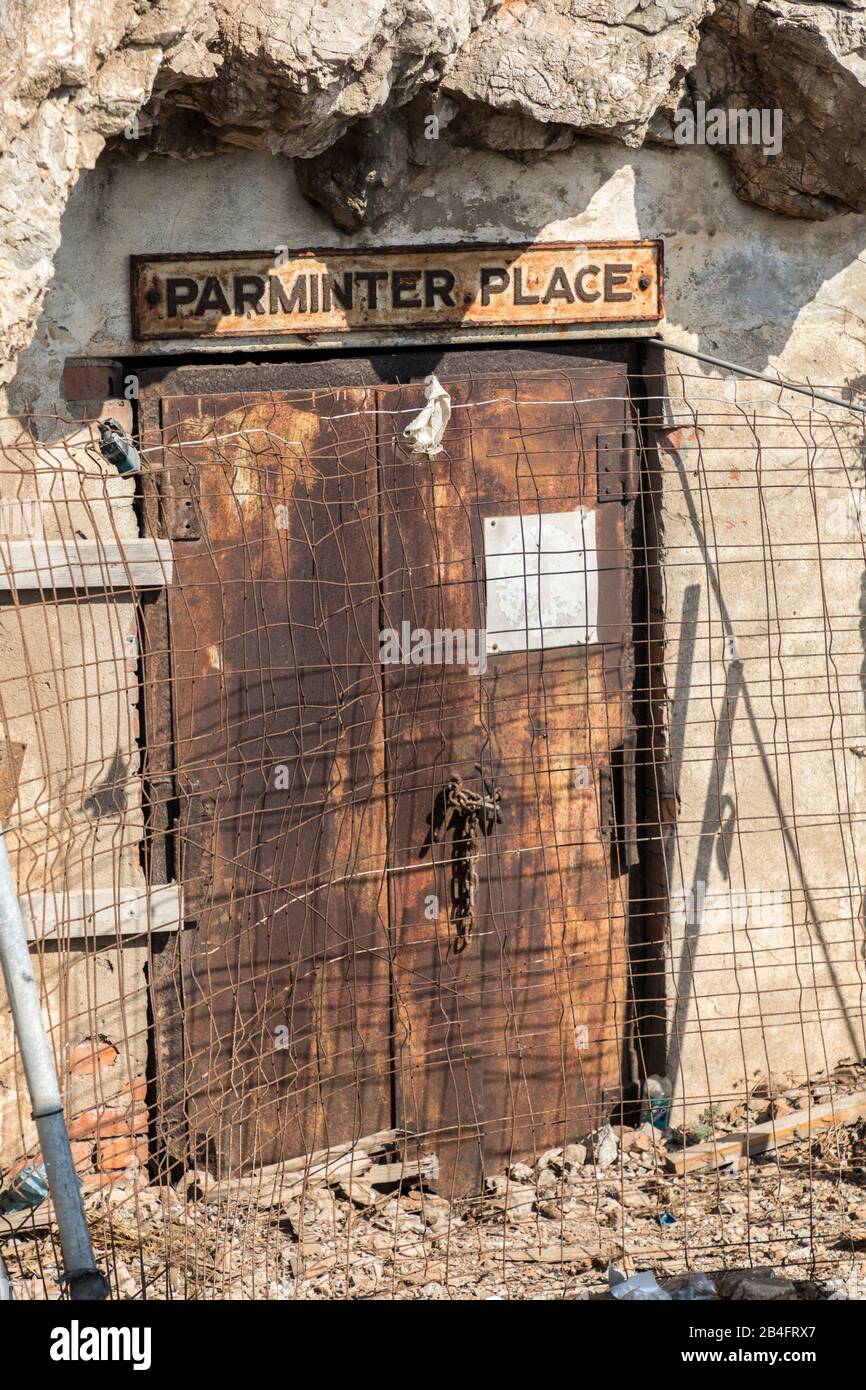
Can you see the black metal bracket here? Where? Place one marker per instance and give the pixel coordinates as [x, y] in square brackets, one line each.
[617, 466]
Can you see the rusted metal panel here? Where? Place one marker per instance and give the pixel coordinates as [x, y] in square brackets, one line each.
[278, 710]
[331, 908]
[510, 1045]
[274, 614]
[256, 294]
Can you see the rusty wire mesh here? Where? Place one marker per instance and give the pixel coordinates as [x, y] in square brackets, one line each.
[231, 976]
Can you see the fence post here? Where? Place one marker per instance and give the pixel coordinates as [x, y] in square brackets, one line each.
[80, 1272]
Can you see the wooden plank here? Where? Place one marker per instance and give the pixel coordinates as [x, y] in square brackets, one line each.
[555, 977]
[431, 735]
[383, 1174]
[142, 563]
[102, 912]
[276, 1184]
[278, 1181]
[771, 1134]
[308, 1163]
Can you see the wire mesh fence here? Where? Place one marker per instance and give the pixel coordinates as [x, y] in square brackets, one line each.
[442, 869]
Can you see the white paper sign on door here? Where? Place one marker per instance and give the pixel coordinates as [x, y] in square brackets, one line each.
[542, 580]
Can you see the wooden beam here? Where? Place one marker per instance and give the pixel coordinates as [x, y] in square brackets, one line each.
[280, 1182]
[102, 912]
[142, 563]
[426, 1168]
[771, 1134]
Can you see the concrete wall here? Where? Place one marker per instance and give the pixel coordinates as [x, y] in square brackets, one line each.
[69, 706]
[769, 980]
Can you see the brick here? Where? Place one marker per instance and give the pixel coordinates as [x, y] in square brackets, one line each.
[94, 1181]
[137, 1088]
[115, 1153]
[84, 1125]
[82, 1154]
[129, 1157]
[90, 379]
[92, 1055]
[110, 1122]
[129, 1120]
[114, 1124]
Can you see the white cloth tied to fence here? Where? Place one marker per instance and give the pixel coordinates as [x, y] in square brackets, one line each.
[426, 430]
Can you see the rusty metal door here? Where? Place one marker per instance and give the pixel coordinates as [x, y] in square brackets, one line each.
[334, 683]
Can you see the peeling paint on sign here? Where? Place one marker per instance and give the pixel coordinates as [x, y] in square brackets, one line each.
[250, 294]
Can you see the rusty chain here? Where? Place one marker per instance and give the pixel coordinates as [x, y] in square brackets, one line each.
[468, 814]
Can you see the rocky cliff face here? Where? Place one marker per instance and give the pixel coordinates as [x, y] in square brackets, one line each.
[367, 93]
[809, 62]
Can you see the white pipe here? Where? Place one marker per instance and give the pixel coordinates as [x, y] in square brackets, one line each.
[80, 1272]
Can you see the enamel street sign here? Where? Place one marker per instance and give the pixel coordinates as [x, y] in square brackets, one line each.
[251, 294]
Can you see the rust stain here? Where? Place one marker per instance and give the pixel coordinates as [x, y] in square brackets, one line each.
[287, 441]
[335, 291]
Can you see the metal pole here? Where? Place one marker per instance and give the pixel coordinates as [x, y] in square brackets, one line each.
[811, 391]
[6, 1294]
[84, 1279]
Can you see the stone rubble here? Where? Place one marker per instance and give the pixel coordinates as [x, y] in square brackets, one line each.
[789, 1224]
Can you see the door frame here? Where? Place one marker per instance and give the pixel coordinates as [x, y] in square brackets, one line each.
[281, 371]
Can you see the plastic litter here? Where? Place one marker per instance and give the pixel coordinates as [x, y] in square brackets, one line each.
[693, 1288]
[667, 1219]
[657, 1102]
[27, 1190]
[426, 430]
[643, 1287]
[640, 1288]
[117, 448]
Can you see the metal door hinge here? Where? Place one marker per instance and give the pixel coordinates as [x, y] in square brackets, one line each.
[196, 833]
[180, 503]
[617, 466]
[618, 808]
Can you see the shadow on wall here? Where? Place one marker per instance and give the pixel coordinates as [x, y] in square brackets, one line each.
[719, 812]
[738, 277]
